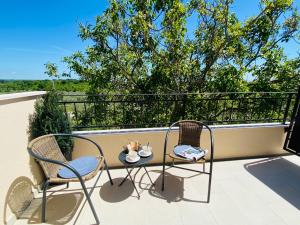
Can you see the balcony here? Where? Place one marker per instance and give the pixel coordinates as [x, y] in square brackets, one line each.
[254, 180]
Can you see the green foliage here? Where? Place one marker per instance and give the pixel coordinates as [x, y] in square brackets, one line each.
[146, 47]
[51, 70]
[234, 81]
[277, 73]
[70, 85]
[49, 118]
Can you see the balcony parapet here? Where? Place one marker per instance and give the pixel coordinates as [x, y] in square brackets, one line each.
[238, 141]
[22, 96]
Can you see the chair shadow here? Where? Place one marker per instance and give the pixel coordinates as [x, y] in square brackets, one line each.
[174, 188]
[18, 197]
[280, 175]
[116, 193]
[61, 208]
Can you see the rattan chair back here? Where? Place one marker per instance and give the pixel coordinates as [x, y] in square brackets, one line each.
[47, 147]
[189, 133]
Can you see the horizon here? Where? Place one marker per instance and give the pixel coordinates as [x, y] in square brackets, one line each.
[46, 79]
[33, 35]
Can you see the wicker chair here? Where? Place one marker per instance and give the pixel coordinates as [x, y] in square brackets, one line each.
[189, 134]
[46, 151]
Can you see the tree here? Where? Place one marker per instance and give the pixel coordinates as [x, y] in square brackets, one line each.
[145, 46]
[49, 118]
[277, 73]
[51, 71]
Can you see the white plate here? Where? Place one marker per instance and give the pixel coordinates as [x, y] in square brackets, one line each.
[142, 153]
[132, 160]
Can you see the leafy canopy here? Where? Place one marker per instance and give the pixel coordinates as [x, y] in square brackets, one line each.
[147, 46]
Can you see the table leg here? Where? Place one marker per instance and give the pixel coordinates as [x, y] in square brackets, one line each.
[136, 172]
[148, 175]
[132, 182]
[128, 175]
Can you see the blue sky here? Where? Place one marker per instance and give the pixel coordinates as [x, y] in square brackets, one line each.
[35, 32]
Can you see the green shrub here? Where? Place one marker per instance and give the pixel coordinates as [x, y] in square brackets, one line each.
[49, 118]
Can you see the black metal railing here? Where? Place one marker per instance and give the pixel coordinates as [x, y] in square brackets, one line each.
[157, 110]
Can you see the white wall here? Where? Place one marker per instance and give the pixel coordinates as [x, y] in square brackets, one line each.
[15, 161]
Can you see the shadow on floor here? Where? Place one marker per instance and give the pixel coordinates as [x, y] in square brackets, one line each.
[280, 175]
[20, 199]
[60, 208]
[114, 193]
[174, 188]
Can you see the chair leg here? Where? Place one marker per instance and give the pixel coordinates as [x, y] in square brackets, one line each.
[45, 187]
[108, 173]
[163, 174]
[209, 183]
[90, 202]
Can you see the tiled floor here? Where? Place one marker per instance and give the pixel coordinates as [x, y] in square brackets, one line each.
[244, 192]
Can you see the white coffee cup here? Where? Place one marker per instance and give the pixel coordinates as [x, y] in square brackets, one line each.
[147, 149]
[132, 155]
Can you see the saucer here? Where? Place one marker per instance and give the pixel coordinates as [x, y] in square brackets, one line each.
[142, 153]
[128, 159]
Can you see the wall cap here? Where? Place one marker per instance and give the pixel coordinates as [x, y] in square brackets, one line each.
[20, 96]
[164, 129]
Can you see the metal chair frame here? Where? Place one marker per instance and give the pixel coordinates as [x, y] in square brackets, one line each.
[64, 164]
[173, 165]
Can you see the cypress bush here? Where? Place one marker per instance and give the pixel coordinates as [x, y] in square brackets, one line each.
[49, 118]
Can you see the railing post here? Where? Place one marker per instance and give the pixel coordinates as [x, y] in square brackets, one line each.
[183, 109]
[287, 108]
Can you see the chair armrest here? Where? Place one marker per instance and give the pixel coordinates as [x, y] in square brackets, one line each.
[81, 137]
[97, 146]
[206, 126]
[211, 142]
[38, 157]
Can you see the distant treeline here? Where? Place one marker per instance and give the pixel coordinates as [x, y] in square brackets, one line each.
[69, 85]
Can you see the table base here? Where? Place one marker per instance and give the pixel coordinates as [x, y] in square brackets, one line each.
[132, 181]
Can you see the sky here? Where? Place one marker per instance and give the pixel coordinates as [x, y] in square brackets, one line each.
[35, 32]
